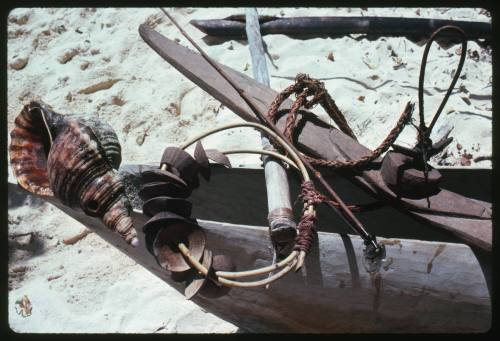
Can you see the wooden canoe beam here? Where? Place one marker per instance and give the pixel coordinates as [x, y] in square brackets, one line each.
[422, 287]
[332, 25]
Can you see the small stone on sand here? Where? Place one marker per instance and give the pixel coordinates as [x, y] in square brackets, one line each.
[19, 63]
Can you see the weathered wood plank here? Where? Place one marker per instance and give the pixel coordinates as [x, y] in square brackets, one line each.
[421, 287]
[252, 29]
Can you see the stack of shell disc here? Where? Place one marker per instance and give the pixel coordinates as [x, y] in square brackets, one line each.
[165, 191]
[157, 204]
[165, 245]
[164, 194]
[195, 281]
[182, 164]
[157, 182]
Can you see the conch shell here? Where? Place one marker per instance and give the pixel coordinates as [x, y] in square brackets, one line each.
[73, 159]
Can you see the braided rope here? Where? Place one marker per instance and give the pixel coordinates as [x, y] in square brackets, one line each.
[304, 87]
[383, 147]
[309, 196]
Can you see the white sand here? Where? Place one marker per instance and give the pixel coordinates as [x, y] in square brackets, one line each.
[153, 105]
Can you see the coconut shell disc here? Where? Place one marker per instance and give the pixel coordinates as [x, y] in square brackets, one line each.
[184, 163]
[161, 220]
[196, 280]
[178, 206]
[212, 290]
[160, 175]
[166, 250]
[218, 157]
[159, 188]
[201, 157]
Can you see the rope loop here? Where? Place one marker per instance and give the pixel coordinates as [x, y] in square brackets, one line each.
[424, 131]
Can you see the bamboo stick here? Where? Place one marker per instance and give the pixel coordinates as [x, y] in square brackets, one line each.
[281, 221]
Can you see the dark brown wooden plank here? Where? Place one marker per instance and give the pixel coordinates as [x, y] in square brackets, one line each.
[278, 192]
[238, 196]
[468, 219]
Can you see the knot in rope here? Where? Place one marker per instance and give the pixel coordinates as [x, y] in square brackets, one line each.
[309, 194]
[311, 87]
[423, 139]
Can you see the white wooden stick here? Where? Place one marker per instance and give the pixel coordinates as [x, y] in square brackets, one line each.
[278, 192]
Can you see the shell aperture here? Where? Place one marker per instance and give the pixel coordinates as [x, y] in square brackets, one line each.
[72, 159]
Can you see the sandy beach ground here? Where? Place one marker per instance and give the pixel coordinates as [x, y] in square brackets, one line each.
[53, 54]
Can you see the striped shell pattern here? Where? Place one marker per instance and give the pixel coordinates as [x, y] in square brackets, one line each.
[74, 159]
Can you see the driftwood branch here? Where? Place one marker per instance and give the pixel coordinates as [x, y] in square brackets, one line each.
[331, 25]
[76, 238]
[483, 158]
